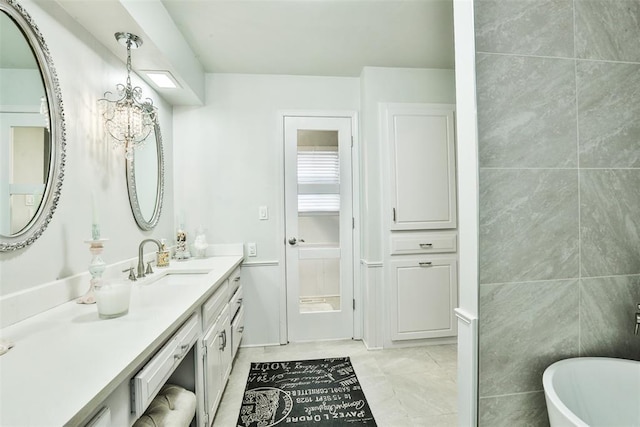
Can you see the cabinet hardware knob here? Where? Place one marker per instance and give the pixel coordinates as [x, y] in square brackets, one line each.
[425, 263]
[183, 351]
[426, 245]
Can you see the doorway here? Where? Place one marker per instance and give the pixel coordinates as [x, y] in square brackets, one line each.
[319, 228]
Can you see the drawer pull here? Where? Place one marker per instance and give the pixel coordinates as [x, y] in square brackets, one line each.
[223, 337]
[426, 245]
[237, 279]
[425, 263]
[239, 301]
[241, 329]
[183, 351]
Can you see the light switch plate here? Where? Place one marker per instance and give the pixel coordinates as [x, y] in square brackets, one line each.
[263, 213]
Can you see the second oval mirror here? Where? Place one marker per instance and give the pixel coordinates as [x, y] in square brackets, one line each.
[145, 180]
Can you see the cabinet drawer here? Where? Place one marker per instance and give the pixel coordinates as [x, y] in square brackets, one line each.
[213, 306]
[237, 329]
[147, 383]
[423, 243]
[236, 302]
[234, 282]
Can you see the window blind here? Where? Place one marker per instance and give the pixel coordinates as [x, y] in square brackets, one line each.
[318, 180]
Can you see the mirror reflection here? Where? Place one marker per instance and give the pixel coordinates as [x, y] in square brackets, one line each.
[25, 143]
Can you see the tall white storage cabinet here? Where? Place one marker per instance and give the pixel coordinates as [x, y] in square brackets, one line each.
[421, 262]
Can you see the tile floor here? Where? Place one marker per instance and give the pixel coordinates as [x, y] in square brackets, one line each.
[404, 387]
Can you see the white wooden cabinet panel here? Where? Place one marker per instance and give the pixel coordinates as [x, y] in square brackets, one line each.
[423, 297]
[148, 382]
[212, 308]
[216, 364]
[421, 143]
[237, 329]
[423, 242]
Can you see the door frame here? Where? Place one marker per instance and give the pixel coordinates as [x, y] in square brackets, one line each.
[355, 200]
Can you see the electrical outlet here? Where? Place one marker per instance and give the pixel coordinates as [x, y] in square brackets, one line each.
[263, 213]
[251, 249]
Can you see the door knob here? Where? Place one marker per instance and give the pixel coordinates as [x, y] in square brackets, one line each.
[293, 241]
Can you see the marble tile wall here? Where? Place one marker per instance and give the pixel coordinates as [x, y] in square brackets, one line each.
[558, 90]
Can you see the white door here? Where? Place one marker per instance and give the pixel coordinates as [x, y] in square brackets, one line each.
[319, 227]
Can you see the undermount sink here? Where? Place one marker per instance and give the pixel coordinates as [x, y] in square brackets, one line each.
[593, 391]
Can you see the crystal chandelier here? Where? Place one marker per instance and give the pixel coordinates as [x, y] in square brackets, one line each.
[128, 119]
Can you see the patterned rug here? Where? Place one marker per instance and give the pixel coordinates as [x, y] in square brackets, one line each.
[323, 392]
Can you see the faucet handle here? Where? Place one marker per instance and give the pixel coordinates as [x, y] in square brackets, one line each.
[132, 275]
[149, 270]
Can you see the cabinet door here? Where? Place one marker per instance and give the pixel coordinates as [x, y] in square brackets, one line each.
[424, 292]
[226, 349]
[212, 341]
[420, 138]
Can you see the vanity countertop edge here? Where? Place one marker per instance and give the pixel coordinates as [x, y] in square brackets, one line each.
[67, 361]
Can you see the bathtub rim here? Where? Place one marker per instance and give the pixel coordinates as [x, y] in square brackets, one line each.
[550, 392]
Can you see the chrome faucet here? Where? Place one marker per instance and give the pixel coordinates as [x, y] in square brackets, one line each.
[637, 328]
[141, 256]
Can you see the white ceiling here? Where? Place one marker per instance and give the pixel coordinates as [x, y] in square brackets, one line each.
[296, 37]
[327, 37]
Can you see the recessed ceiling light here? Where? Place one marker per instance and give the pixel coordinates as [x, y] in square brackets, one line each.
[162, 79]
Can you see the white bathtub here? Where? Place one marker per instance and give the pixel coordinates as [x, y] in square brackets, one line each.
[593, 391]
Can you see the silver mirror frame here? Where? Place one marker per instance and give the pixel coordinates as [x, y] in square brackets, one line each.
[57, 135]
[142, 222]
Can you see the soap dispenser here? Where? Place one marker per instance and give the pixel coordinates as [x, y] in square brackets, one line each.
[163, 255]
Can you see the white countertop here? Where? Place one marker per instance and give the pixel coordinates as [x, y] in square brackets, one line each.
[67, 360]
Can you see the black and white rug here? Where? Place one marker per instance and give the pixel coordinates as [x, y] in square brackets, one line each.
[323, 392]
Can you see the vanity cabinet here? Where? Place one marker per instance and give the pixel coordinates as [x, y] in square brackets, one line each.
[218, 345]
[118, 366]
[420, 221]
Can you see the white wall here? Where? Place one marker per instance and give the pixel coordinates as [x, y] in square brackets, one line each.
[85, 71]
[230, 153]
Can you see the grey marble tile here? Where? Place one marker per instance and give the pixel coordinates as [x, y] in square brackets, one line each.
[525, 327]
[426, 394]
[522, 410]
[607, 308]
[608, 111]
[609, 221]
[526, 111]
[528, 225]
[389, 379]
[530, 27]
[607, 29]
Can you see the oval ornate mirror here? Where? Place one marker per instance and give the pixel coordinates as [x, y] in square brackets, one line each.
[145, 180]
[32, 130]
